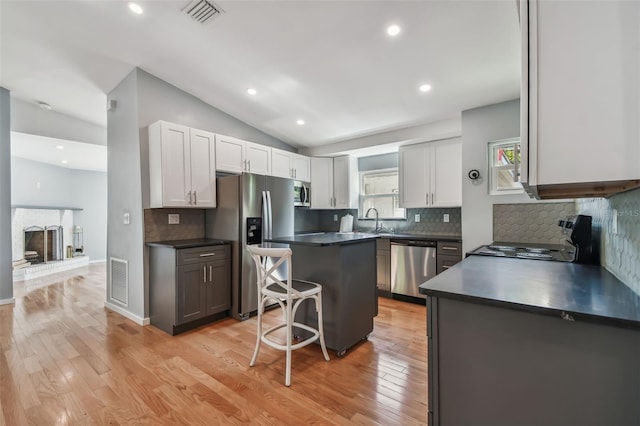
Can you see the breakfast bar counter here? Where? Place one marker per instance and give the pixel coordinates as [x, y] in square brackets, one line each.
[528, 342]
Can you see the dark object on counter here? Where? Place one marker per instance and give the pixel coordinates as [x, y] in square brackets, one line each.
[578, 228]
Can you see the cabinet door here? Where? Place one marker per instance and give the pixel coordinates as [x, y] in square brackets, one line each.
[229, 154]
[258, 158]
[301, 168]
[203, 169]
[281, 163]
[218, 286]
[446, 174]
[191, 288]
[175, 165]
[321, 183]
[344, 183]
[414, 173]
[578, 103]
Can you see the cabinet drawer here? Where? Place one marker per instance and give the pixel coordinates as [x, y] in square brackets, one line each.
[450, 249]
[202, 254]
[445, 262]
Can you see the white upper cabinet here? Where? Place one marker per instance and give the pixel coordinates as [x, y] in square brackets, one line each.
[181, 166]
[301, 168]
[334, 183]
[431, 174]
[580, 97]
[235, 155]
[229, 154]
[258, 158]
[281, 163]
[287, 164]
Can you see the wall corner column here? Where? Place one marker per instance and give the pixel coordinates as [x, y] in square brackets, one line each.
[6, 273]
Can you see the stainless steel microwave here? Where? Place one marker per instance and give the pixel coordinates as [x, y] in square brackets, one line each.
[301, 194]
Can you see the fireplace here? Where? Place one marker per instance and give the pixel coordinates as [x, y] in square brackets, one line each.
[43, 244]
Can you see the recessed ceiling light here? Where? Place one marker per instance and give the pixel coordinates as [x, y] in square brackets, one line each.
[59, 146]
[136, 8]
[252, 91]
[393, 30]
[425, 87]
[300, 122]
[64, 161]
[45, 106]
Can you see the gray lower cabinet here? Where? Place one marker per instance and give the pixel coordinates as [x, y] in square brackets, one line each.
[447, 255]
[187, 288]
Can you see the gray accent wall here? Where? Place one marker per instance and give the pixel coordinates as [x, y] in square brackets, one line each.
[6, 278]
[619, 251]
[27, 117]
[68, 188]
[125, 193]
[479, 126]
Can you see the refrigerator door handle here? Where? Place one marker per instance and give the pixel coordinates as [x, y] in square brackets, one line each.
[269, 216]
[265, 216]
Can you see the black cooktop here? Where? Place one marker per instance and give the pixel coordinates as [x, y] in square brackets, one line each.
[551, 252]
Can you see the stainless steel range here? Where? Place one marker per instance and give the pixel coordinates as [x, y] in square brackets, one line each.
[579, 247]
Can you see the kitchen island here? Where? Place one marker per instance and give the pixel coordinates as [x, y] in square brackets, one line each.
[344, 264]
[513, 341]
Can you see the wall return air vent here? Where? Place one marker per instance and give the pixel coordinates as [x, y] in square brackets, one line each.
[202, 11]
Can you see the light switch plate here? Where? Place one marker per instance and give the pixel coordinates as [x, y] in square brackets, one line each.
[335, 217]
[416, 218]
[445, 218]
[614, 222]
[174, 219]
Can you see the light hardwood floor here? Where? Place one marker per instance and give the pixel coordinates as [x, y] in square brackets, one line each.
[65, 359]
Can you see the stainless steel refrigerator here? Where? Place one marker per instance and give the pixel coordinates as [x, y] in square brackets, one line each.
[250, 208]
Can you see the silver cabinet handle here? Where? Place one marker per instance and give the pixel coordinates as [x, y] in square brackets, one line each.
[249, 162]
[244, 165]
[449, 248]
[204, 273]
[195, 198]
[295, 173]
[426, 198]
[189, 194]
[210, 273]
[207, 254]
[432, 194]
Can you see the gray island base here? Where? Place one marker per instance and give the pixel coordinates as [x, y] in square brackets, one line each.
[346, 270]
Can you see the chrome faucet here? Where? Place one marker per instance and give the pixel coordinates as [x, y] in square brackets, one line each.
[378, 228]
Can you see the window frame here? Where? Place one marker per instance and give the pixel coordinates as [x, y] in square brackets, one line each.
[495, 168]
[362, 197]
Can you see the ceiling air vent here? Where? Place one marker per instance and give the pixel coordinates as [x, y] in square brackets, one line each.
[203, 11]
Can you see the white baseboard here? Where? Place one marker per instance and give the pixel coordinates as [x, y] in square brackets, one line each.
[98, 261]
[133, 317]
[8, 301]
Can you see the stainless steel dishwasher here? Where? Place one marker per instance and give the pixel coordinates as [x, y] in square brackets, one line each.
[412, 263]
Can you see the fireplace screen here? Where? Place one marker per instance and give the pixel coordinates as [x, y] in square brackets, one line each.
[43, 244]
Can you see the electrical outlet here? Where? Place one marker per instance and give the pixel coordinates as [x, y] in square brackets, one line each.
[126, 218]
[174, 219]
[416, 218]
[335, 217]
[445, 218]
[614, 222]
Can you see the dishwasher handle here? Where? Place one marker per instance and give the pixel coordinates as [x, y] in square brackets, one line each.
[416, 243]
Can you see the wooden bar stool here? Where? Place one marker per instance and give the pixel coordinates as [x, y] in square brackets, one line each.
[289, 294]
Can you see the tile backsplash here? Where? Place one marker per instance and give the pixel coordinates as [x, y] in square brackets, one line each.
[157, 228]
[619, 251]
[530, 222]
[431, 221]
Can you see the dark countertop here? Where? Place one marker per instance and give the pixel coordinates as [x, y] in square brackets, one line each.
[183, 244]
[337, 238]
[585, 292]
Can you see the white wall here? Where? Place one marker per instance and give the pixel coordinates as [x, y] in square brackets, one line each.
[6, 277]
[479, 126]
